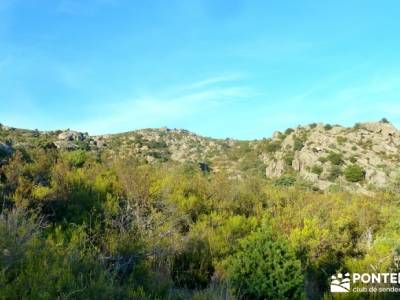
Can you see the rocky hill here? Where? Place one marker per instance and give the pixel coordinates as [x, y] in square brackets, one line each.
[366, 154]
[324, 156]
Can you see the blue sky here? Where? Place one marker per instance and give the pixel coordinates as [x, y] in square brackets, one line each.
[219, 68]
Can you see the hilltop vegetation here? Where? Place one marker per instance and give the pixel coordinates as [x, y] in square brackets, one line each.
[166, 214]
[317, 154]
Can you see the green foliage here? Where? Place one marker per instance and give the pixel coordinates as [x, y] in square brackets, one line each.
[366, 144]
[298, 144]
[157, 144]
[334, 173]
[317, 169]
[162, 156]
[264, 267]
[323, 159]
[285, 180]
[288, 159]
[193, 267]
[76, 158]
[335, 158]
[288, 131]
[120, 228]
[313, 125]
[341, 140]
[353, 159]
[271, 147]
[354, 173]
[328, 127]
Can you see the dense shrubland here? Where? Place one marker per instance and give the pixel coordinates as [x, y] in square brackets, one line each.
[74, 225]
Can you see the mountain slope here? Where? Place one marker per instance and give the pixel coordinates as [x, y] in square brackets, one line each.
[325, 156]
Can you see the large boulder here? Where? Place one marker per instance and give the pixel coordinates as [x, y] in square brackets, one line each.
[275, 168]
[385, 129]
[70, 136]
[68, 145]
[5, 149]
[5, 152]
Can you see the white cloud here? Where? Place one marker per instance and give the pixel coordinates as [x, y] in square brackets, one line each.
[167, 108]
[215, 80]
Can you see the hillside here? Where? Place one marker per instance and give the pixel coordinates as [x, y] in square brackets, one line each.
[167, 214]
[362, 158]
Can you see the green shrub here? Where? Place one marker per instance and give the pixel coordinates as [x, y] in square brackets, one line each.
[157, 144]
[298, 144]
[264, 267]
[328, 127]
[271, 147]
[334, 172]
[288, 158]
[323, 159]
[317, 169]
[76, 158]
[285, 180]
[288, 131]
[193, 267]
[354, 173]
[83, 145]
[341, 140]
[335, 158]
[353, 159]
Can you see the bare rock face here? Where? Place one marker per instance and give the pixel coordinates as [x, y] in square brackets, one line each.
[275, 168]
[386, 130]
[99, 141]
[68, 145]
[70, 136]
[378, 177]
[302, 159]
[321, 154]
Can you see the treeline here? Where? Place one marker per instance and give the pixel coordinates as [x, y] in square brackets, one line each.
[76, 226]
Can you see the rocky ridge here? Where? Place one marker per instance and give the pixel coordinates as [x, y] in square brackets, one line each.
[321, 154]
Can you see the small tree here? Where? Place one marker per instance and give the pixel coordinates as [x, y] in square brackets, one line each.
[335, 158]
[334, 172]
[384, 120]
[288, 158]
[328, 127]
[285, 180]
[298, 144]
[288, 131]
[354, 173]
[317, 169]
[271, 147]
[264, 267]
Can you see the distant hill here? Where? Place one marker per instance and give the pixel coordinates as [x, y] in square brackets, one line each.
[360, 158]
